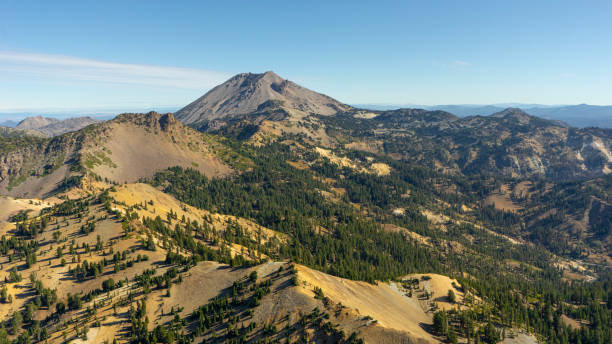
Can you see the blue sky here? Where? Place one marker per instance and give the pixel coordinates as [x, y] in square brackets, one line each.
[93, 55]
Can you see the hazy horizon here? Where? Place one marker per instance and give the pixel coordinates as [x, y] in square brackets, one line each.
[577, 115]
[101, 112]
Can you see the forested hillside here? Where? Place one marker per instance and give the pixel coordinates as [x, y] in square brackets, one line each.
[330, 234]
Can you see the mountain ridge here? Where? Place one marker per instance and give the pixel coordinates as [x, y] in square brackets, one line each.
[125, 149]
[579, 115]
[49, 126]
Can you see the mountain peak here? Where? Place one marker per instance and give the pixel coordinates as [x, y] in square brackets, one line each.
[514, 114]
[519, 116]
[243, 94]
[35, 122]
[510, 111]
[270, 74]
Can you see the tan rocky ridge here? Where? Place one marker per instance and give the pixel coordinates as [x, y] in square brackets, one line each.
[125, 149]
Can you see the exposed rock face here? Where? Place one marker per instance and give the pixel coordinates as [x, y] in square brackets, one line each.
[152, 120]
[247, 93]
[510, 143]
[35, 169]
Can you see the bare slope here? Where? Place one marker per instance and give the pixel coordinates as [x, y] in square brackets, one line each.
[10, 206]
[136, 146]
[245, 93]
[160, 203]
[386, 305]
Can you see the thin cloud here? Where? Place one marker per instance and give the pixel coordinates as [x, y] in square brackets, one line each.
[460, 63]
[73, 68]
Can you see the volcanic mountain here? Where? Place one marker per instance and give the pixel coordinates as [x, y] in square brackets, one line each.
[247, 93]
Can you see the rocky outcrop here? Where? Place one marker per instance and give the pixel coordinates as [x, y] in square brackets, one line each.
[510, 143]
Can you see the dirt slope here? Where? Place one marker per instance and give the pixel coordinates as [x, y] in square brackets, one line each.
[137, 146]
[10, 206]
[396, 315]
[386, 305]
[439, 285]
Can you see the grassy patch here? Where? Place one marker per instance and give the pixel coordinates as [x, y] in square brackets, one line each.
[16, 180]
[97, 158]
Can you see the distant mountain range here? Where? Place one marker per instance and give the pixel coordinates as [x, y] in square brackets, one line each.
[8, 124]
[581, 116]
[47, 126]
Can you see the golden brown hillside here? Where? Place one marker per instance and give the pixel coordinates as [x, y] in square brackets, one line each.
[109, 234]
